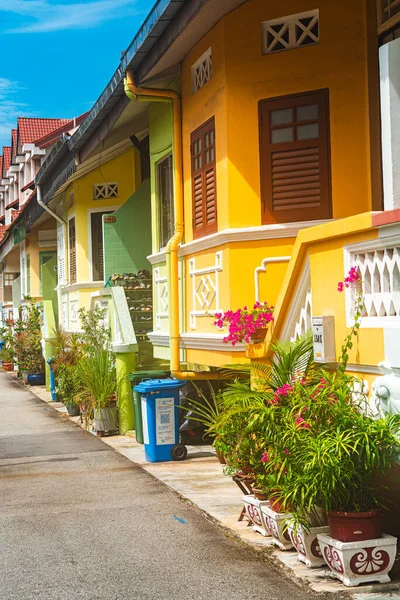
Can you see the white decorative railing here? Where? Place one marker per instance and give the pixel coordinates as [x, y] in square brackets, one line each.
[205, 289]
[299, 317]
[73, 311]
[161, 285]
[378, 262]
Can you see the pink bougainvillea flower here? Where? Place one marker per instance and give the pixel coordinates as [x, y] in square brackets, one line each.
[265, 457]
[352, 276]
[301, 423]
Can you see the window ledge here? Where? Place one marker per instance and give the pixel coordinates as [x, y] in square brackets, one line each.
[244, 234]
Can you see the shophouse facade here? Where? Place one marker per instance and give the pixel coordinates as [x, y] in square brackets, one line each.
[266, 134]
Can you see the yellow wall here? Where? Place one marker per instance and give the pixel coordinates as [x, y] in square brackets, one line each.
[32, 248]
[120, 169]
[326, 264]
[123, 169]
[242, 76]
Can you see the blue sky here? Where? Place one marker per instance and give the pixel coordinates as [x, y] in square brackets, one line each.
[58, 55]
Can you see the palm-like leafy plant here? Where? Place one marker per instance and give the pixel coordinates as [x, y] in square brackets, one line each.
[206, 408]
[98, 377]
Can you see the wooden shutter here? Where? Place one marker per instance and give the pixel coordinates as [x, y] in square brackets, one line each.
[204, 185]
[294, 153]
[97, 245]
[72, 250]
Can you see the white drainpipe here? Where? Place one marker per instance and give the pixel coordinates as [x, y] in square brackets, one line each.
[64, 226]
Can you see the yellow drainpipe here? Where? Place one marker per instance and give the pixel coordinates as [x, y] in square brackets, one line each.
[147, 94]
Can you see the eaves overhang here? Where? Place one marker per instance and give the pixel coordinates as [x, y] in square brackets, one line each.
[157, 22]
[60, 158]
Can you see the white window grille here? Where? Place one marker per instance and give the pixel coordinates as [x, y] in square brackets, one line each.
[103, 191]
[379, 266]
[293, 31]
[201, 71]
[61, 255]
[205, 289]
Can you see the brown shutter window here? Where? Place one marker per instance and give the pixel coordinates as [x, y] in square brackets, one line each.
[97, 245]
[295, 161]
[204, 186]
[72, 250]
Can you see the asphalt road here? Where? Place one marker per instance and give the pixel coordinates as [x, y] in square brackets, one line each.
[78, 520]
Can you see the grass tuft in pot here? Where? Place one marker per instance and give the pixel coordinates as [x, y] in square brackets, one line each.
[97, 375]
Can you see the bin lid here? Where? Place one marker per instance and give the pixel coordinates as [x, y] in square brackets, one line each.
[137, 376]
[155, 385]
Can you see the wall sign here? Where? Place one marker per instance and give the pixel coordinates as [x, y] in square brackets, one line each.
[165, 421]
[109, 219]
[324, 339]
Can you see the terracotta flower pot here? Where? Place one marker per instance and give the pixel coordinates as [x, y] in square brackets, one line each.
[259, 494]
[276, 504]
[8, 366]
[355, 526]
[259, 335]
[220, 457]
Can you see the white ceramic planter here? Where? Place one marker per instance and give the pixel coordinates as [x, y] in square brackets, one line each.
[255, 514]
[106, 419]
[307, 544]
[359, 562]
[276, 524]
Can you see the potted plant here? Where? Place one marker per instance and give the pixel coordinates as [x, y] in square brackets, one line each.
[7, 352]
[28, 344]
[245, 324]
[334, 452]
[97, 375]
[7, 358]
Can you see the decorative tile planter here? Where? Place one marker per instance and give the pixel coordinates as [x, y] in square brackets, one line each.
[359, 562]
[254, 512]
[276, 524]
[307, 544]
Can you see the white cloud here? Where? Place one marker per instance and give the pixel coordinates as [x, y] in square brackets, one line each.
[54, 17]
[10, 110]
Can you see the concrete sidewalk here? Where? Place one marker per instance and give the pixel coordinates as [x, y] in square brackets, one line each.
[200, 480]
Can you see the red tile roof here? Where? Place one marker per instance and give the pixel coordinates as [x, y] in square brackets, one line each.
[14, 134]
[1, 165]
[12, 203]
[28, 186]
[53, 136]
[3, 229]
[32, 129]
[6, 157]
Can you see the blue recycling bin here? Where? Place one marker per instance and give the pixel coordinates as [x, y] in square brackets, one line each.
[52, 380]
[160, 420]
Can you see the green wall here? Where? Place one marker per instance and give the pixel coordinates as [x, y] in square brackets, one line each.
[127, 242]
[48, 277]
[161, 137]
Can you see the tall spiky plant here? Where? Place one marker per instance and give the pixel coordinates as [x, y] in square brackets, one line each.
[98, 376]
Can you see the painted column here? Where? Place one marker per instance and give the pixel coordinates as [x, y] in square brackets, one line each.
[125, 363]
[389, 60]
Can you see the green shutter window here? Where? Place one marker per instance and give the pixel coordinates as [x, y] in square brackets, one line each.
[165, 200]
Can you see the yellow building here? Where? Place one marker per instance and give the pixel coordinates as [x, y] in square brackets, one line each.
[260, 127]
[98, 187]
[280, 133]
